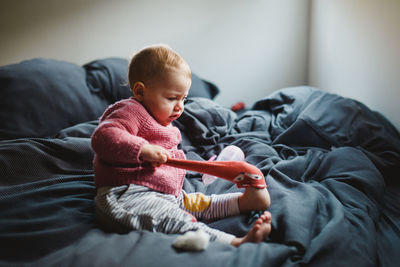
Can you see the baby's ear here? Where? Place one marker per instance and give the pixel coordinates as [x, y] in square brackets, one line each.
[138, 90]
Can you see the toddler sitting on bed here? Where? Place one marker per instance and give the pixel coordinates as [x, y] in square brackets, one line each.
[135, 190]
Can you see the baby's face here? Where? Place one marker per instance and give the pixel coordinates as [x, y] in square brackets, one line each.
[165, 96]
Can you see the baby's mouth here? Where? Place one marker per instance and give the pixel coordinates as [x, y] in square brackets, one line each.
[174, 117]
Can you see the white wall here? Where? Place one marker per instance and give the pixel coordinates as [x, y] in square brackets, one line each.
[248, 48]
[355, 51]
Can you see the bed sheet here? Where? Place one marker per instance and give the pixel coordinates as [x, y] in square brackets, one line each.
[331, 165]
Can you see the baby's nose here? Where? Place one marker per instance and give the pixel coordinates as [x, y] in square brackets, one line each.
[179, 106]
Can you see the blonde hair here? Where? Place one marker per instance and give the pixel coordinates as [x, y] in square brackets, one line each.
[152, 61]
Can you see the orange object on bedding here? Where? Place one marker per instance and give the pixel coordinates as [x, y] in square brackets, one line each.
[241, 173]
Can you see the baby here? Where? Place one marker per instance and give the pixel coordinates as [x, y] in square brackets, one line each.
[135, 189]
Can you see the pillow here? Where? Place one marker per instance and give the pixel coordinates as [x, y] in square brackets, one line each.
[108, 77]
[202, 88]
[40, 97]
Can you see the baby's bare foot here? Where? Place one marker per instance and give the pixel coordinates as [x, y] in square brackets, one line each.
[254, 199]
[260, 230]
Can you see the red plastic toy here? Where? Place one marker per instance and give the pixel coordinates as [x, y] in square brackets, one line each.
[241, 173]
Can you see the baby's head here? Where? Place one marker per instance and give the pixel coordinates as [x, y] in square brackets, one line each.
[152, 61]
[160, 79]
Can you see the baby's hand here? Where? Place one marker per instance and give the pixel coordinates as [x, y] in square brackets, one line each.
[155, 154]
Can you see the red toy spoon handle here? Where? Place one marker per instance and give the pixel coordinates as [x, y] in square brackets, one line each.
[241, 173]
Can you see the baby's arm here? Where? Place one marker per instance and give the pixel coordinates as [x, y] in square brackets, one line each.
[155, 154]
[113, 143]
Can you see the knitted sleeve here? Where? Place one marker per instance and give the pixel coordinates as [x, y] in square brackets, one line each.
[115, 138]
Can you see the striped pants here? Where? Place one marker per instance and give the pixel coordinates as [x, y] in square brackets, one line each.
[135, 207]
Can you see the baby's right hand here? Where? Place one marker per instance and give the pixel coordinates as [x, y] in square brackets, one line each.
[155, 154]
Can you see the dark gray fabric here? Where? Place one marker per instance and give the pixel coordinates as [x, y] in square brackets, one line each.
[330, 163]
[40, 97]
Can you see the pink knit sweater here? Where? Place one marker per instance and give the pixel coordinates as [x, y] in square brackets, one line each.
[123, 129]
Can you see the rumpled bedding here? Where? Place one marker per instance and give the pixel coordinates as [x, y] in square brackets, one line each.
[331, 165]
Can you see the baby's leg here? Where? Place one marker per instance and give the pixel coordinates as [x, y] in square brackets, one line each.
[219, 206]
[137, 207]
[254, 199]
[211, 207]
[225, 205]
[261, 229]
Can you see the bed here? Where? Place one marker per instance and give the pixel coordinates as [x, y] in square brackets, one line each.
[331, 164]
